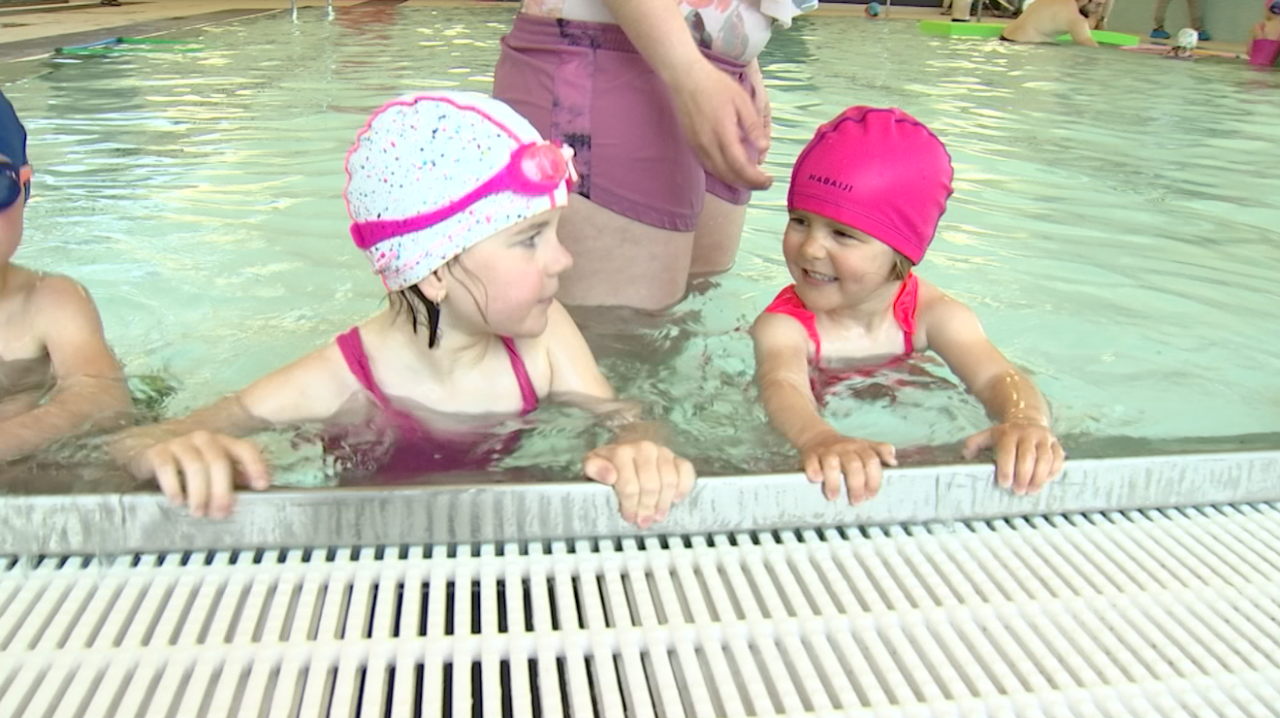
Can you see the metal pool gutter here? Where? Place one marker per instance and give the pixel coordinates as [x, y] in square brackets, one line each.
[118, 523]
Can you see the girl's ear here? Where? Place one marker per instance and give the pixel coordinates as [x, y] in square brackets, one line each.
[434, 287]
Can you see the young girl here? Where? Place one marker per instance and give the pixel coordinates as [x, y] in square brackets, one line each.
[1264, 38]
[454, 198]
[865, 199]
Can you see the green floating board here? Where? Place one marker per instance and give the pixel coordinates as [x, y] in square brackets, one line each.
[151, 41]
[121, 51]
[946, 28]
[126, 49]
[118, 45]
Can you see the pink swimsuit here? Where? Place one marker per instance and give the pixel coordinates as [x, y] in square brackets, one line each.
[904, 313]
[416, 450]
[1264, 52]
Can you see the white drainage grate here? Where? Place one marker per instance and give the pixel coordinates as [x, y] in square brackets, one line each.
[1132, 614]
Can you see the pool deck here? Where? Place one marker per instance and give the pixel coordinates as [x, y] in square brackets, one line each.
[34, 31]
[48, 26]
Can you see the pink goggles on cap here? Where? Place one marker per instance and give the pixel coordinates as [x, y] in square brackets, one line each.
[535, 169]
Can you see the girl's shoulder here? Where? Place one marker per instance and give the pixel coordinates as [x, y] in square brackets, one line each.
[934, 307]
[929, 295]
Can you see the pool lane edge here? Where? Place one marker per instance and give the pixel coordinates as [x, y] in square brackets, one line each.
[106, 524]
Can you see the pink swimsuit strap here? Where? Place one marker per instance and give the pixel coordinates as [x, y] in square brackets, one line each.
[904, 313]
[352, 348]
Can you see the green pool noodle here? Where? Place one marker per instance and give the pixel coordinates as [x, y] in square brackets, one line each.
[946, 28]
[151, 41]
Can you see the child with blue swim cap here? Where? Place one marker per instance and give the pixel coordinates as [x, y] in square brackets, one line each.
[874, 10]
[57, 375]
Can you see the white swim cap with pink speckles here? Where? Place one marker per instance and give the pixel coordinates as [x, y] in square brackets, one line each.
[433, 174]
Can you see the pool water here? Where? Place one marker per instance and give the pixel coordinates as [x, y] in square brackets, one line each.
[1114, 223]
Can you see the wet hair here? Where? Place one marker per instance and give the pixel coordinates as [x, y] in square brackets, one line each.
[412, 300]
[901, 267]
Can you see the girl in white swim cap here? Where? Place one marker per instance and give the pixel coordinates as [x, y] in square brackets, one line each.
[454, 198]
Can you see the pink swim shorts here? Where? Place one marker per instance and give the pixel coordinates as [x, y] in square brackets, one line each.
[584, 84]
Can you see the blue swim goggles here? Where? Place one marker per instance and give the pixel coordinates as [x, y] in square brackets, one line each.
[11, 185]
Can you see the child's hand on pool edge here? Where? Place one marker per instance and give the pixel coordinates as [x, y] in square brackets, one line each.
[201, 469]
[646, 477]
[832, 459]
[1027, 454]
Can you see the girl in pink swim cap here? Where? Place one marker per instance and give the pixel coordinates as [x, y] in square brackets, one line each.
[865, 199]
[1264, 38]
[454, 199]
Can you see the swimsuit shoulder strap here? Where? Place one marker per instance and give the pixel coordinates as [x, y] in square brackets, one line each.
[904, 311]
[528, 395]
[788, 303]
[352, 348]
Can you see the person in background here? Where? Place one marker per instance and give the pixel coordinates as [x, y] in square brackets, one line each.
[1193, 19]
[1264, 38]
[1046, 20]
[1184, 46]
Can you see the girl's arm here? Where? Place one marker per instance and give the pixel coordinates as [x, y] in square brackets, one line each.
[307, 390]
[1027, 453]
[202, 449]
[782, 372]
[646, 476]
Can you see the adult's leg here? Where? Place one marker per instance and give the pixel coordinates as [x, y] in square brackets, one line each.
[630, 226]
[1162, 8]
[1193, 14]
[715, 243]
[621, 262]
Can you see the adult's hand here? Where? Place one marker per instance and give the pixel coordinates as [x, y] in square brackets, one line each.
[720, 121]
[717, 116]
[763, 108]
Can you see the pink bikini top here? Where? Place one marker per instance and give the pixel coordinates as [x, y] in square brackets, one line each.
[904, 313]
[416, 450]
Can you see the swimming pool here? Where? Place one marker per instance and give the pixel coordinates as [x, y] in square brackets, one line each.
[1113, 225]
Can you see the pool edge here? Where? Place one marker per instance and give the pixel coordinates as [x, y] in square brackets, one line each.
[472, 513]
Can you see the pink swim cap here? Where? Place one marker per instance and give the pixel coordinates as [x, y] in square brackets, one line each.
[879, 171]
